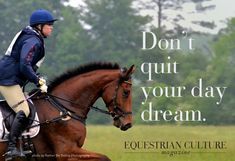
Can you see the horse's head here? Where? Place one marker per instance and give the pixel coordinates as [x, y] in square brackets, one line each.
[118, 98]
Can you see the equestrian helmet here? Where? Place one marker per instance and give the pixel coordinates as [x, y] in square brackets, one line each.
[41, 16]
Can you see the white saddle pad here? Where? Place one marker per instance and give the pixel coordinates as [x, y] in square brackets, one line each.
[32, 132]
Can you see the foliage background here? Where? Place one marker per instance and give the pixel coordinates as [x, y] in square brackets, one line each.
[110, 30]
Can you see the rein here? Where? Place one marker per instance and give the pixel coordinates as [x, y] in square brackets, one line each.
[67, 114]
[117, 113]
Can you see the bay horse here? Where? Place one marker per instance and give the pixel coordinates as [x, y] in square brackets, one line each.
[75, 92]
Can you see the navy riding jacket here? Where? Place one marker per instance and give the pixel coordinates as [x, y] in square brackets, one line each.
[21, 64]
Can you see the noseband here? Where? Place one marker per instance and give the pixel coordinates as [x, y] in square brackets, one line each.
[117, 112]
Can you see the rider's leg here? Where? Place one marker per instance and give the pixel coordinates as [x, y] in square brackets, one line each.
[18, 126]
[13, 95]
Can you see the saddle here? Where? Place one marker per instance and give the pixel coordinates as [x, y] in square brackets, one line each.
[7, 116]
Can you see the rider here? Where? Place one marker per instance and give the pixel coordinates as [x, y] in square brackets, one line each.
[19, 64]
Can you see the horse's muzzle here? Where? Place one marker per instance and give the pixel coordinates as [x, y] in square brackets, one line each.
[123, 127]
[123, 123]
[126, 127]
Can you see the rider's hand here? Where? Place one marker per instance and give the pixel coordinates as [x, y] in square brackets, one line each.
[43, 88]
[42, 85]
[41, 81]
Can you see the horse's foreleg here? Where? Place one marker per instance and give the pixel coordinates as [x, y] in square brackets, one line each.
[79, 154]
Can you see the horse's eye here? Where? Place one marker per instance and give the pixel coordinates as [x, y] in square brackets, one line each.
[126, 93]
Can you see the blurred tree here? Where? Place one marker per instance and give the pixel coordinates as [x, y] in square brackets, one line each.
[115, 30]
[222, 73]
[217, 72]
[68, 44]
[175, 6]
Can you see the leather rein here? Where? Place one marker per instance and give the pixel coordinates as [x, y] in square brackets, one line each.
[67, 114]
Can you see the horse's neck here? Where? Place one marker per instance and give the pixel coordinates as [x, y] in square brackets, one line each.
[85, 89]
[92, 84]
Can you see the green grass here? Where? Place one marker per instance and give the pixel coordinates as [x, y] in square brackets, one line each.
[110, 141]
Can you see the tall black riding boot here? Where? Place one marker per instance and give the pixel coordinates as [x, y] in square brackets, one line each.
[18, 126]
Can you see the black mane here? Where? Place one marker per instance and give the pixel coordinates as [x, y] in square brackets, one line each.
[80, 70]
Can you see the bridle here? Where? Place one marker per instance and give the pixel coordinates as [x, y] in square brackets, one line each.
[116, 112]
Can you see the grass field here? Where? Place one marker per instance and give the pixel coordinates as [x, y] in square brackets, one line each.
[111, 141]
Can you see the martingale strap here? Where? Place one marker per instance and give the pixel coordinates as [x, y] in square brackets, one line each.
[65, 113]
[91, 107]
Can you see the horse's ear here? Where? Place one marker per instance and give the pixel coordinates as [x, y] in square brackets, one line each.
[130, 71]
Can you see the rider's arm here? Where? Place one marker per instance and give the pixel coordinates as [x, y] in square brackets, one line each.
[30, 51]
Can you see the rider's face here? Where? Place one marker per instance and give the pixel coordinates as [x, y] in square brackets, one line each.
[47, 29]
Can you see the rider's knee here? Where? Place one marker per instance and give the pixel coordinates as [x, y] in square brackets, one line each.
[26, 112]
[25, 108]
